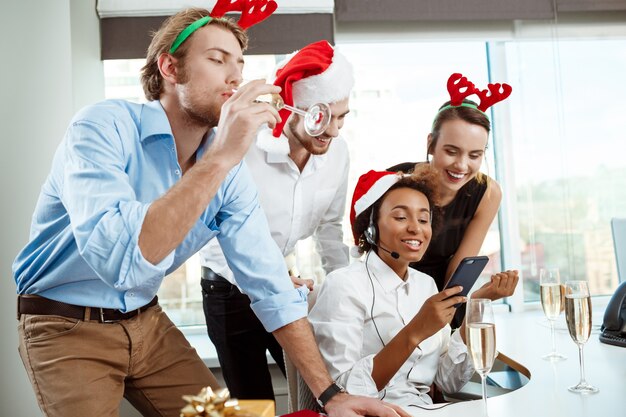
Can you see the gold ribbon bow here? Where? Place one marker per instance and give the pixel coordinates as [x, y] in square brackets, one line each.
[213, 404]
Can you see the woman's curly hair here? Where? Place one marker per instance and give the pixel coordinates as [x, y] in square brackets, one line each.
[423, 179]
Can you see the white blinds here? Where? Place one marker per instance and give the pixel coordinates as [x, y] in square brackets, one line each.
[144, 8]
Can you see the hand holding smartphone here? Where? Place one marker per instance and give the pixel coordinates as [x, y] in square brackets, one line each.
[467, 273]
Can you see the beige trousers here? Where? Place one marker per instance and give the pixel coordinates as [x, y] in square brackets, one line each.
[84, 368]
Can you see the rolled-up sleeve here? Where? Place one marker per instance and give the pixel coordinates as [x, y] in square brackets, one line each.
[455, 365]
[257, 263]
[106, 217]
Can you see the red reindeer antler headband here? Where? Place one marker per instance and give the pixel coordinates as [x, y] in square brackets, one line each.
[252, 12]
[460, 87]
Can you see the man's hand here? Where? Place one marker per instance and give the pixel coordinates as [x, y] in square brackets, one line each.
[345, 405]
[298, 282]
[501, 285]
[240, 119]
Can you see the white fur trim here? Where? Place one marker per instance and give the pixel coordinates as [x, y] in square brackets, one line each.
[266, 141]
[354, 252]
[376, 191]
[330, 86]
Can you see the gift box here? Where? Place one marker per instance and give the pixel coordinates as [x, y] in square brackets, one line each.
[261, 408]
[209, 403]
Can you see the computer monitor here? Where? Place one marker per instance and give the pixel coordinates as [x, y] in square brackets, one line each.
[618, 227]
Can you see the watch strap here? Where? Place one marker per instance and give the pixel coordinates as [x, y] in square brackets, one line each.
[332, 390]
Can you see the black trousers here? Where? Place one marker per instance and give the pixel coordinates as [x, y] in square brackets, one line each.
[240, 341]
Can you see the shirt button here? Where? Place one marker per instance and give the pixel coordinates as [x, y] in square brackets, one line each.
[177, 172]
[132, 294]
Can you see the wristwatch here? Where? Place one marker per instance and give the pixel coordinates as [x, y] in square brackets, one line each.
[332, 390]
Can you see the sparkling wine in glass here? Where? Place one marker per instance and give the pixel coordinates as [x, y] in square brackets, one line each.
[552, 304]
[578, 318]
[480, 336]
[316, 117]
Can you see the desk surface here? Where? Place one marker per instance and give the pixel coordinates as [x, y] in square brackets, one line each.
[525, 337]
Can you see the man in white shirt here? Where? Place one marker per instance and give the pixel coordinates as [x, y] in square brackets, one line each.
[302, 182]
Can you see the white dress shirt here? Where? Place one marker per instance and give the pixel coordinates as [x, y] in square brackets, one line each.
[349, 335]
[298, 204]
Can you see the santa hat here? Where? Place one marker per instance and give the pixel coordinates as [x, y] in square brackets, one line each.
[369, 188]
[316, 73]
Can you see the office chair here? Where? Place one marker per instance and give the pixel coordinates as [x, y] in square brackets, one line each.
[618, 228]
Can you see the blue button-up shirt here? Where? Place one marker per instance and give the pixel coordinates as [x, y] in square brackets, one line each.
[114, 161]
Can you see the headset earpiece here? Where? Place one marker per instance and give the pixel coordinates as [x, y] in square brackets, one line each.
[370, 232]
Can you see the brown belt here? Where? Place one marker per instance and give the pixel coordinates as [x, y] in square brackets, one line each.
[34, 304]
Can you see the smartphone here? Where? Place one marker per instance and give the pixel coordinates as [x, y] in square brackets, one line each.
[467, 273]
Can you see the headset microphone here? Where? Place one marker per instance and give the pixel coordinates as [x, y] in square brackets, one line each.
[370, 237]
[394, 255]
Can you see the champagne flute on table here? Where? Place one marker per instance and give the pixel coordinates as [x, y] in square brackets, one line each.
[578, 318]
[480, 336]
[552, 304]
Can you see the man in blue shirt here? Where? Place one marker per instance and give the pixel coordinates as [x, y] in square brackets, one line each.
[134, 190]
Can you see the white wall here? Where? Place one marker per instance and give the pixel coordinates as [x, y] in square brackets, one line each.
[49, 68]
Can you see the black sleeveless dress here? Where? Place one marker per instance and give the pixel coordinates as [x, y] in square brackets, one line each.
[444, 244]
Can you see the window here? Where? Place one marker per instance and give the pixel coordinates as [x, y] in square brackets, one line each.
[567, 129]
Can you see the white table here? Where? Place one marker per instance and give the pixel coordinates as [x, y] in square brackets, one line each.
[525, 337]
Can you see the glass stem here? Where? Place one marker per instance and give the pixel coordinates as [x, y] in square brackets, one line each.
[553, 338]
[582, 365]
[294, 110]
[483, 381]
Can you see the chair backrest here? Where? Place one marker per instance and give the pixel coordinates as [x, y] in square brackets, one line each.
[299, 396]
[618, 227]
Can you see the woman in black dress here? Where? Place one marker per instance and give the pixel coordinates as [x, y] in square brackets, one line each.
[469, 199]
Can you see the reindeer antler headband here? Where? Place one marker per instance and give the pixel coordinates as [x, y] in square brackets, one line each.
[252, 12]
[460, 87]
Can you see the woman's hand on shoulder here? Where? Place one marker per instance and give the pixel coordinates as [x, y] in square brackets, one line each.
[502, 285]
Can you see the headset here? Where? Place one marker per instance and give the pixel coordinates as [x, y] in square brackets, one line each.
[371, 234]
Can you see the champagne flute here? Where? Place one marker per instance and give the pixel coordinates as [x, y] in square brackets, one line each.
[578, 318]
[480, 336]
[551, 302]
[316, 117]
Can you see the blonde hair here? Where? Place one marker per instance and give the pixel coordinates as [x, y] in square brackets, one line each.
[151, 78]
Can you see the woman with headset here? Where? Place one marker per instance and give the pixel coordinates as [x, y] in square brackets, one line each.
[382, 327]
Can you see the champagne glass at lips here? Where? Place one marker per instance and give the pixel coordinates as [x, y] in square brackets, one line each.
[480, 336]
[551, 302]
[316, 118]
[578, 318]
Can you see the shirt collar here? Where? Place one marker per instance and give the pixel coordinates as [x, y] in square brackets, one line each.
[385, 276]
[316, 161]
[154, 121]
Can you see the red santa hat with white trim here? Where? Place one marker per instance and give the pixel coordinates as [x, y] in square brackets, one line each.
[317, 73]
[369, 188]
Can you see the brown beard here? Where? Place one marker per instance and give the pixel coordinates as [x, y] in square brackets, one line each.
[306, 144]
[209, 118]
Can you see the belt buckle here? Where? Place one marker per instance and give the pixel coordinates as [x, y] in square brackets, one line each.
[102, 319]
